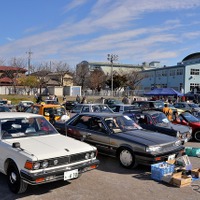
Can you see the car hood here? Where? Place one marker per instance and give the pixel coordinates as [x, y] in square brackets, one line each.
[147, 137]
[51, 146]
[196, 124]
[177, 127]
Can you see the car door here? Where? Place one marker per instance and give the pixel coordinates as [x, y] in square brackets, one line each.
[91, 130]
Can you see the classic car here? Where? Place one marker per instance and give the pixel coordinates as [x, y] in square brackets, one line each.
[47, 110]
[23, 105]
[69, 105]
[121, 108]
[91, 107]
[187, 107]
[33, 152]
[156, 105]
[111, 101]
[4, 108]
[157, 121]
[192, 121]
[119, 136]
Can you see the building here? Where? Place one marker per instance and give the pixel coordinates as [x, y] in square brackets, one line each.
[106, 67]
[9, 74]
[8, 79]
[183, 77]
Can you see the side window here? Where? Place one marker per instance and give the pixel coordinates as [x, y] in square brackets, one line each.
[36, 110]
[81, 122]
[85, 109]
[96, 125]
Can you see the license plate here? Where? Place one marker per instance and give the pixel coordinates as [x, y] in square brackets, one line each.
[171, 157]
[70, 174]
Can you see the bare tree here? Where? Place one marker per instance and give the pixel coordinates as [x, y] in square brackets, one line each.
[60, 69]
[134, 78]
[2, 61]
[82, 75]
[97, 80]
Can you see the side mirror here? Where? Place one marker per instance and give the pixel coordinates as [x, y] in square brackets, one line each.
[16, 145]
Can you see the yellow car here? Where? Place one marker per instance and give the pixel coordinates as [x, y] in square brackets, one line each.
[47, 109]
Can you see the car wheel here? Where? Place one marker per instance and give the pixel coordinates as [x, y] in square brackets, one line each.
[127, 158]
[15, 183]
[197, 136]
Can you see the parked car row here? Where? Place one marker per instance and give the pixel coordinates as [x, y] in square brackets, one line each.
[67, 148]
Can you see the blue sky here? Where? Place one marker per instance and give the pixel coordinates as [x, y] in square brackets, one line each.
[75, 30]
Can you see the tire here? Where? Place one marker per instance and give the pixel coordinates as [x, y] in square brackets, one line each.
[127, 158]
[15, 183]
[197, 136]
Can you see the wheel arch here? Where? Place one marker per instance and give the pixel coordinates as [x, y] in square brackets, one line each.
[7, 163]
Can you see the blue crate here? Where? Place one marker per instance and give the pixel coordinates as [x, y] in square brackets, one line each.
[161, 169]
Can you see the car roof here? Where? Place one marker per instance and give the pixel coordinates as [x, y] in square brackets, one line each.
[101, 114]
[121, 104]
[11, 115]
[151, 111]
[91, 104]
[48, 105]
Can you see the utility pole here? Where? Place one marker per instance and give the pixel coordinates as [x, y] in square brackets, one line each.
[29, 60]
[111, 58]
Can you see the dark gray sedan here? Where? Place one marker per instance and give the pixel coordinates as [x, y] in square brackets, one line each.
[119, 136]
[157, 121]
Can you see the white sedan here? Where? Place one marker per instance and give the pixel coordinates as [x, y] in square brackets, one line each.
[33, 152]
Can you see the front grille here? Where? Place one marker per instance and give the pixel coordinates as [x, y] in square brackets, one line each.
[58, 161]
[66, 159]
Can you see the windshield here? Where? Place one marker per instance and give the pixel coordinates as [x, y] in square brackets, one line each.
[189, 117]
[192, 105]
[121, 124]
[160, 118]
[101, 108]
[25, 127]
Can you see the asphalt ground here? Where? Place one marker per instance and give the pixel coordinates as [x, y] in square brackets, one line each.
[109, 182]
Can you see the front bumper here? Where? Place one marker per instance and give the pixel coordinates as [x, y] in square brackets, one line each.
[149, 159]
[56, 174]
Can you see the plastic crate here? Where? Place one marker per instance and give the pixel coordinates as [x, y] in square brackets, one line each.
[192, 151]
[161, 169]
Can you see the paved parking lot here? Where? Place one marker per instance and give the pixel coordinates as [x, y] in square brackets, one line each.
[110, 181]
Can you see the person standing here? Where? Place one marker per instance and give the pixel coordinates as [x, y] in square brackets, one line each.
[78, 99]
[168, 112]
[84, 100]
[125, 100]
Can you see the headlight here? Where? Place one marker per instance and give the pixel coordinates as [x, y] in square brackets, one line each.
[178, 134]
[153, 149]
[44, 164]
[92, 155]
[36, 165]
[178, 143]
[87, 156]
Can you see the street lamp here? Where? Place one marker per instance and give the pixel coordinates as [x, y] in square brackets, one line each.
[111, 58]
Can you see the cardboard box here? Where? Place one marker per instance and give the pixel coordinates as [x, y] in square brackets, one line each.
[180, 180]
[196, 172]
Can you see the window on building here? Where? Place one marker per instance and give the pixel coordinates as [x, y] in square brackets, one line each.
[179, 72]
[194, 85]
[164, 72]
[194, 72]
[158, 73]
[172, 72]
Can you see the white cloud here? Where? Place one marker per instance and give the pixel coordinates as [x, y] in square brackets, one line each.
[111, 26]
